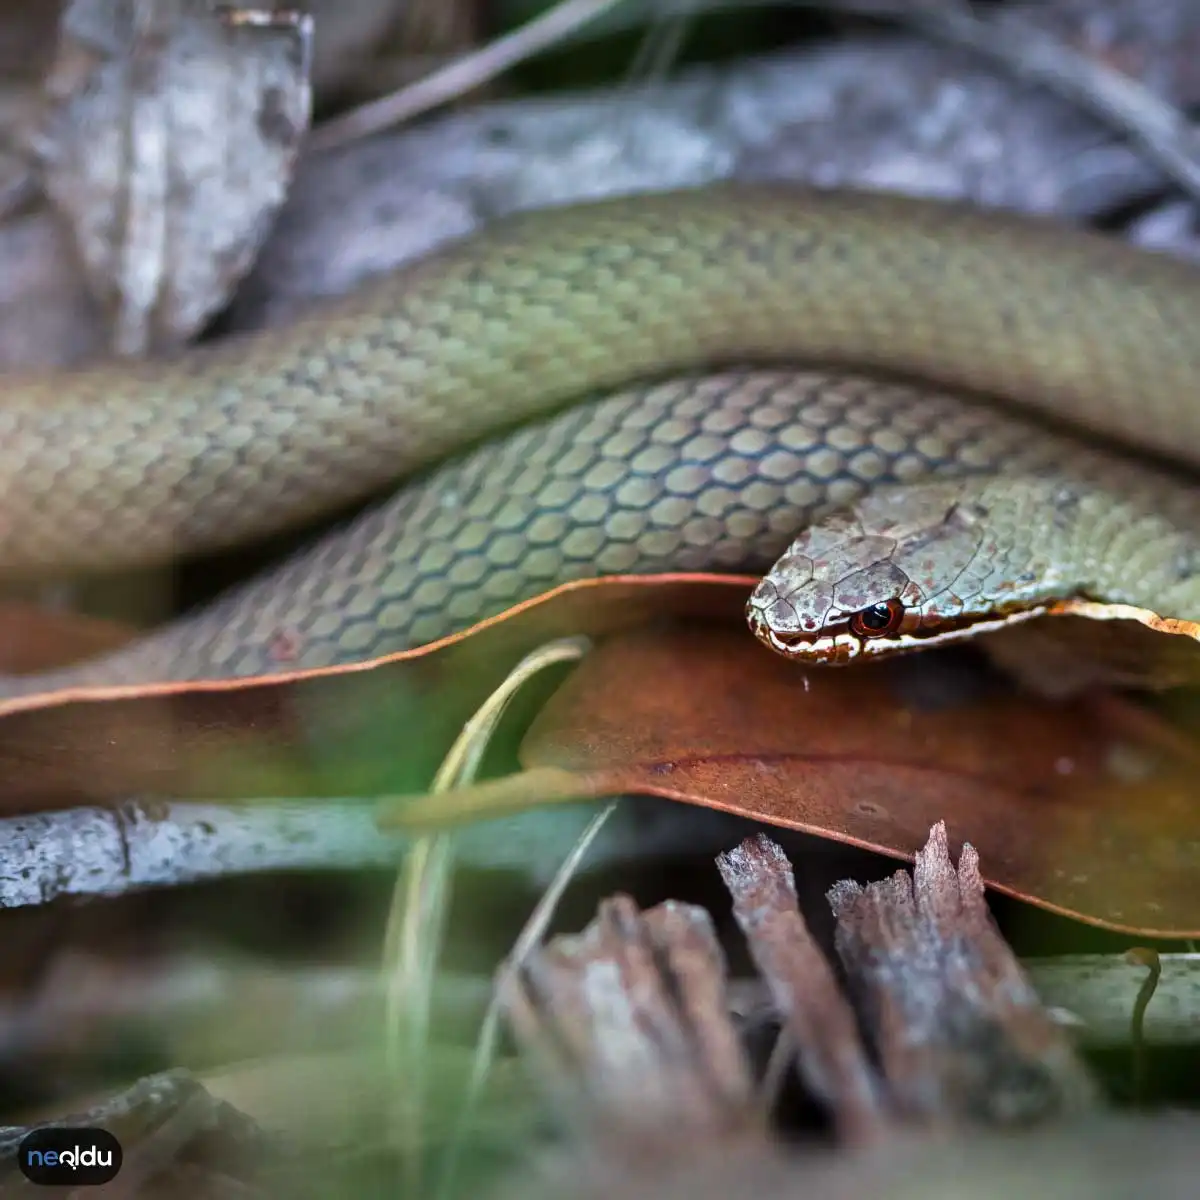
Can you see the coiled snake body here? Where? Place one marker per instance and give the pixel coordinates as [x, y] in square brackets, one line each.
[709, 455]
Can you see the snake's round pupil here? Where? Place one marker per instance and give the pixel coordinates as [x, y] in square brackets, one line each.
[878, 616]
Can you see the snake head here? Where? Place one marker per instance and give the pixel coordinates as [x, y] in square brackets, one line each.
[905, 568]
[804, 610]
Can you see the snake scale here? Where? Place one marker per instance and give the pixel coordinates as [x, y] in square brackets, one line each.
[622, 378]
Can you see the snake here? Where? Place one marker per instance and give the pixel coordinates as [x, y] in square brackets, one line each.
[674, 381]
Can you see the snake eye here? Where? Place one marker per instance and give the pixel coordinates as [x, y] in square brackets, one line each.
[879, 620]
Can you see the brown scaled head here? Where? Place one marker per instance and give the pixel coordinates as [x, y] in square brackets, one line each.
[898, 570]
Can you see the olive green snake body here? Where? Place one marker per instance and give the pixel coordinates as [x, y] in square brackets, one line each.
[710, 454]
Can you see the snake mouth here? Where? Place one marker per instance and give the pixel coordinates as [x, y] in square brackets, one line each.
[838, 645]
[819, 648]
[761, 601]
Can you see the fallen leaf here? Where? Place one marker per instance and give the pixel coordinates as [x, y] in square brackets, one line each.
[369, 729]
[687, 706]
[1064, 813]
[167, 143]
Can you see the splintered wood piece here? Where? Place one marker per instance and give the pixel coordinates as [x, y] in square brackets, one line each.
[830, 1053]
[959, 1032]
[628, 1026]
[629, 1022]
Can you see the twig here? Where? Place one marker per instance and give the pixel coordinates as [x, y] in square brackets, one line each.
[1160, 128]
[1165, 133]
[109, 852]
[1144, 957]
[90, 851]
[463, 75]
[1094, 990]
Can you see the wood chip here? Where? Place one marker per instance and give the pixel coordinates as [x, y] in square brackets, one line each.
[958, 1029]
[831, 1056]
[628, 1025]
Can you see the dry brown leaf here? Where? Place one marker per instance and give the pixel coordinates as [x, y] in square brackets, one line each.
[367, 729]
[1064, 812]
[167, 141]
